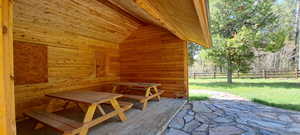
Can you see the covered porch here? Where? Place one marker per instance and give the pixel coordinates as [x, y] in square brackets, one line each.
[56, 46]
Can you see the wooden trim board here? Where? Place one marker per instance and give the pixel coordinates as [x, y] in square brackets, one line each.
[7, 100]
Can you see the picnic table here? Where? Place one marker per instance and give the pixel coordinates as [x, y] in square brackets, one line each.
[90, 98]
[150, 89]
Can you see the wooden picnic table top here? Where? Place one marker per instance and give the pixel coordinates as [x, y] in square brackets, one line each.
[84, 96]
[138, 84]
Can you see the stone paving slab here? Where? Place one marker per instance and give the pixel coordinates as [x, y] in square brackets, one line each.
[226, 114]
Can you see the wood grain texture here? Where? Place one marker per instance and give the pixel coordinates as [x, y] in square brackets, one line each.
[77, 33]
[91, 44]
[120, 10]
[69, 69]
[30, 63]
[187, 19]
[139, 122]
[154, 55]
[59, 123]
[7, 98]
[70, 22]
[85, 96]
[132, 8]
[107, 62]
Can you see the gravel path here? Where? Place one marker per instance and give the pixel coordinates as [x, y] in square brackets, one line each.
[226, 114]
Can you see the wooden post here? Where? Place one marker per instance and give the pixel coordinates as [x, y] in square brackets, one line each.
[215, 75]
[7, 99]
[297, 72]
[194, 76]
[265, 74]
[238, 74]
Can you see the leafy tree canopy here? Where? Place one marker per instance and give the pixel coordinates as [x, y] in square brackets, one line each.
[193, 50]
[239, 27]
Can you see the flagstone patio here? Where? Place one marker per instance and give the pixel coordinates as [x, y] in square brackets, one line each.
[226, 114]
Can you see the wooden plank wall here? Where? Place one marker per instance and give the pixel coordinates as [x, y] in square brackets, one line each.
[152, 54]
[78, 34]
[84, 40]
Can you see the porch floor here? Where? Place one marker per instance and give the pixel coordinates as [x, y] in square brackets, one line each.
[148, 122]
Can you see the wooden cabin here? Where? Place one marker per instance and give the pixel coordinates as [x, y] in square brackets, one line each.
[59, 45]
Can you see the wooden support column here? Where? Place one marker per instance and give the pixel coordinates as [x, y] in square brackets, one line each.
[265, 74]
[186, 68]
[296, 73]
[7, 100]
[215, 75]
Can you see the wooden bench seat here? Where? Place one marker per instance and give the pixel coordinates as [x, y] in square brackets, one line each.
[59, 123]
[142, 99]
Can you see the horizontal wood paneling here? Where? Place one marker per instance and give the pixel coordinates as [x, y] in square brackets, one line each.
[68, 22]
[152, 54]
[76, 34]
[82, 38]
[68, 69]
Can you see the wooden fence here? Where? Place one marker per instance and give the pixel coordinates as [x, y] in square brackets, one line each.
[262, 74]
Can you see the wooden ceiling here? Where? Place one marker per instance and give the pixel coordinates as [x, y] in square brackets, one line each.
[187, 19]
[70, 22]
[108, 20]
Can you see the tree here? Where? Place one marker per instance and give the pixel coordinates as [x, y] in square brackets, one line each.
[241, 26]
[193, 51]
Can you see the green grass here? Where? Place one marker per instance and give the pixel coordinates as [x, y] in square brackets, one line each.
[194, 95]
[282, 93]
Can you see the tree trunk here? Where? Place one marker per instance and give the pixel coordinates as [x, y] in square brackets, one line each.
[229, 72]
[229, 76]
[298, 32]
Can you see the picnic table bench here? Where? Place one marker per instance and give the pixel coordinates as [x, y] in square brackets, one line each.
[150, 89]
[59, 123]
[92, 99]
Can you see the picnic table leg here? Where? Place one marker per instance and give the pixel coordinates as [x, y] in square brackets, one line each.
[156, 92]
[114, 90]
[88, 117]
[101, 109]
[148, 91]
[145, 105]
[117, 108]
[49, 108]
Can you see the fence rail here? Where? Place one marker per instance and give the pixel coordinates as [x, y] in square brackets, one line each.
[262, 74]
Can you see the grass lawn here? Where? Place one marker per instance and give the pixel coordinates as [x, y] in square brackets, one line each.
[193, 95]
[282, 93]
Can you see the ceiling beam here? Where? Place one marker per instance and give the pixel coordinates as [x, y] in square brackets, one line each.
[121, 11]
[203, 19]
[187, 19]
[147, 6]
